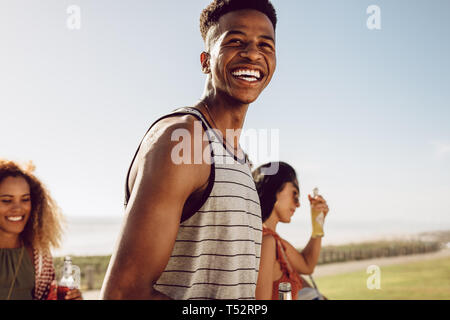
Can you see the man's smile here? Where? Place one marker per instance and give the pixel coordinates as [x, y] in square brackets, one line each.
[249, 75]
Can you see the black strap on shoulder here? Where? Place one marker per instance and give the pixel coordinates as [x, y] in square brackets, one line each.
[177, 112]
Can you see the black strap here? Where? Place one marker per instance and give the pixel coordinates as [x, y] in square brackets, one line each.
[178, 112]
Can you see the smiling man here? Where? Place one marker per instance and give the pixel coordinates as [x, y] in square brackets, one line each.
[193, 229]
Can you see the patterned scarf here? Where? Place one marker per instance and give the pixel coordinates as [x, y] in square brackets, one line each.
[44, 275]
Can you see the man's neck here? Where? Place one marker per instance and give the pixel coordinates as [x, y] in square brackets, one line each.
[226, 115]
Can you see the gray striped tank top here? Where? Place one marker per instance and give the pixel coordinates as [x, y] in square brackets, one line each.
[217, 249]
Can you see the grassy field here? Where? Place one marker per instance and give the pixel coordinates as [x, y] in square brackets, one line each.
[420, 280]
[369, 250]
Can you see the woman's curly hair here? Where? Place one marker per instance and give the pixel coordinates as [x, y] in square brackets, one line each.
[44, 227]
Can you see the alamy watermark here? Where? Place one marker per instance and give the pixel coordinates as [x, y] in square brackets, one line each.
[261, 143]
[374, 280]
[374, 20]
[74, 19]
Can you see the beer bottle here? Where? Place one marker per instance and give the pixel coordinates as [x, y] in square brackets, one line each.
[317, 219]
[284, 291]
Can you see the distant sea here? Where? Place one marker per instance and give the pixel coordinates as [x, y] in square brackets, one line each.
[89, 236]
[99, 235]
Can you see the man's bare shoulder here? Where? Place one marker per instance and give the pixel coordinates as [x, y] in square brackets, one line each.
[169, 149]
[166, 131]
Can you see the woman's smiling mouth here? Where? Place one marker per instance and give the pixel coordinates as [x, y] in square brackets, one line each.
[15, 218]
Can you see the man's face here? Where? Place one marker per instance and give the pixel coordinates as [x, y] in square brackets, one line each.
[242, 54]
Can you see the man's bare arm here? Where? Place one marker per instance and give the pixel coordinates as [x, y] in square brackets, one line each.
[153, 216]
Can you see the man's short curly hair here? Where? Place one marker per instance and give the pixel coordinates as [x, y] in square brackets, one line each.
[216, 9]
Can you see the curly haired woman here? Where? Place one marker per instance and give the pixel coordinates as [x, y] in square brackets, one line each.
[30, 224]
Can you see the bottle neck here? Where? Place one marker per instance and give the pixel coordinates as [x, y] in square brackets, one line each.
[284, 291]
[67, 268]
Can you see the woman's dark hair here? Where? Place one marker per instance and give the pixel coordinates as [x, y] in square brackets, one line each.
[212, 13]
[268, 185]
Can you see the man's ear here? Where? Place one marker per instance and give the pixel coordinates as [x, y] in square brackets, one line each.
[204, 60]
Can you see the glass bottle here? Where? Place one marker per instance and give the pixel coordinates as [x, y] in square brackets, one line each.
[70, 278]
[284, 291]
[317, 218]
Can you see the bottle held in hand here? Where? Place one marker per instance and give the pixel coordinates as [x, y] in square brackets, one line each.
[317, 218]
[70, 278]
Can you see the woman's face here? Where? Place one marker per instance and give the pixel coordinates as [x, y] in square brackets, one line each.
[287, 202]
[15, 205]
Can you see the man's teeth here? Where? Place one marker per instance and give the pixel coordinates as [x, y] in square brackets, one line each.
[247, 74]
[252, 79]
[14, 219]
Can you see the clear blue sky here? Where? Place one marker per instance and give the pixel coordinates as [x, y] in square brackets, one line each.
[363, 114]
